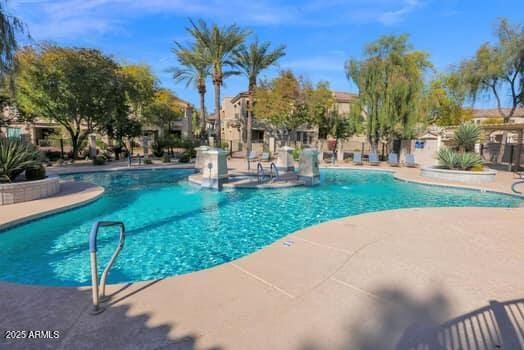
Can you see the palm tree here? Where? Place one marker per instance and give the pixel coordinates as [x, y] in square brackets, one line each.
[220, 44]
[252, 60]
[194, 68]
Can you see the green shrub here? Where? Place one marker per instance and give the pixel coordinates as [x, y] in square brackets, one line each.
[469, 160]
[158, 147]
[99, 160]
[15, 157]
[166, 158]
[185, 157]
[148, 161]
[296, 154]
[478, 168]
[35, 172]
[450, 159]
[466, 136]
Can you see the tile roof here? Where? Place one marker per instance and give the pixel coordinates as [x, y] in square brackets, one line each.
[494, 112]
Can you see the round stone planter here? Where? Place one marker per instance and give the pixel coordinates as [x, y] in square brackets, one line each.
[17, 192]
[471, 177]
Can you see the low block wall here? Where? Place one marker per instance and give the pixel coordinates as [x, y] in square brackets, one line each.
[18, 192]
[472, 177]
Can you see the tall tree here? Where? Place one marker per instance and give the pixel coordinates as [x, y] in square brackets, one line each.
[77, 88]
[498, 69]
[443, 100]
[164, 110]
[140, 87]
[194, 68]
[252, 60]
[287, 103]
[9, 27]
[220, 43]
[390, 83]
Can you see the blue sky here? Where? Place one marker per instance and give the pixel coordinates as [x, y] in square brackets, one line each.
[320, 34]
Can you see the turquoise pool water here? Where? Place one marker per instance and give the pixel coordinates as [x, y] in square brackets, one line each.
[174, 227]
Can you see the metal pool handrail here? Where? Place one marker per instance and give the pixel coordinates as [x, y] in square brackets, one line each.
[514, 186]
[271, 167]
[260, 172]
[94, 266]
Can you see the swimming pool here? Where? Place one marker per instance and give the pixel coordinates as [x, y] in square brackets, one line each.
[174, 227]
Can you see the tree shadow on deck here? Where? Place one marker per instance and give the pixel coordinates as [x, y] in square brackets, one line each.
[67, 310]
[403, 322]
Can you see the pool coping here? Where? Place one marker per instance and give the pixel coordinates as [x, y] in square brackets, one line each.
[98, 192]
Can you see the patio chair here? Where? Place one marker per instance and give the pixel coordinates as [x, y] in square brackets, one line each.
[409, 161]
[252, 156]
[373, 159]
[357, 158]
[393, 159]
[265, 157]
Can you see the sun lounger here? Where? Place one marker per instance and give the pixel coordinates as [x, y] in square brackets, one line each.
[393, 159]
[252, 156]
[409, 161]
[265, 157]
[357, 158]
[373, 159]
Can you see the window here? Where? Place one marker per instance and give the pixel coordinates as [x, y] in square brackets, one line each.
[13, 132]
[257, 135]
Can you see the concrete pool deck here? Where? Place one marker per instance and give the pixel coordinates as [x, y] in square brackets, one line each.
[397, 279]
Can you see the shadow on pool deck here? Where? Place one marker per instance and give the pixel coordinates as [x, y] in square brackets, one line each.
[400, 321]
[67, 310]
[403, 322]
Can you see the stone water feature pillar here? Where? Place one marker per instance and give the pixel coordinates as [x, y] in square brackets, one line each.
[285, 161]
[199, 162]
[308, 171]
[92, 145]
[214, 169]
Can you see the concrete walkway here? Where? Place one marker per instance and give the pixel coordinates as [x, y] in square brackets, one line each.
[403, 279]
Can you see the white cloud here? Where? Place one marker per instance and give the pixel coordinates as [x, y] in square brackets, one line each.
[395, 16]
[58, 19]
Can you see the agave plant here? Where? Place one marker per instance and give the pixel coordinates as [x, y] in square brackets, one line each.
[456, 160]
[448, 158]
[15, 157]
[466, 136]
[469, 160]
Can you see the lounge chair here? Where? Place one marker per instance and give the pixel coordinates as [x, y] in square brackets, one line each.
[357, 158]
[393, 159]
[409, 161]
[252, 156]
[265, 157]
[373, 159]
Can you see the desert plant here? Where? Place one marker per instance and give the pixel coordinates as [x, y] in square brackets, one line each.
[148, 161]
[448, 158]
[468, 160]
[15, 157]
[35, 172]
[166, 158]
[466, 136]
[451, 159]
